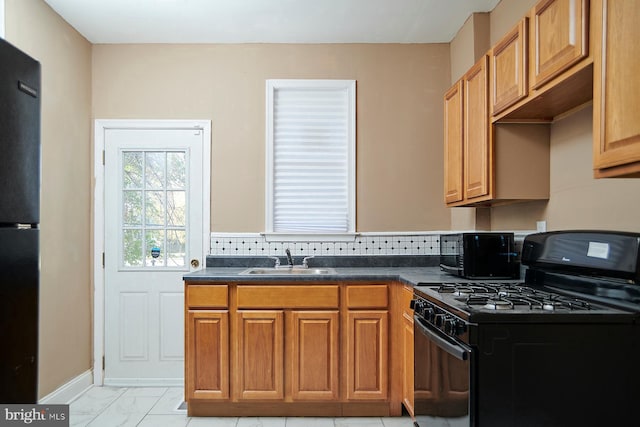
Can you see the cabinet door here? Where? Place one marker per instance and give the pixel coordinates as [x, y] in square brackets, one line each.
[260, 361]
[453, 144]
[616, 94]
[559, 37]
[314, 354]
[407, 362]
[367, 355]
[509, 68]
[207, 365]
[477, 154]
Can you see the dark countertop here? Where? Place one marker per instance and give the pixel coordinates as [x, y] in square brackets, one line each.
[411, 270]
[408, 275]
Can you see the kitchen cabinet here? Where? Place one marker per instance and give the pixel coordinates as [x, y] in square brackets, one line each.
[291, 349]
[313, 367]
[453, 144]
[261, 341]
[477, 149]
[207, 342]
[260, 354]
[499, 159]
[314, 355]
[207, 364]
[559, 34]
[367, 355]
[616, 95]
[407, 349]
[466, 144]
[509, 62]
[367, 342]
[554, 73]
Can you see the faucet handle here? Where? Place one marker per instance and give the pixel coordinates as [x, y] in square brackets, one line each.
[277, 261]
[305, 260]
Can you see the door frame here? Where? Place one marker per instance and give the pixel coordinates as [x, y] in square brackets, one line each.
[100, 126]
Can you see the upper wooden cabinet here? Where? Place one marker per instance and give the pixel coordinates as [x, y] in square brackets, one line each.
[559, 36]
[466, 143]
[498, 160]
[453, 144]
[543, 67]
[509, 61]
[616, 100]
[477, 150]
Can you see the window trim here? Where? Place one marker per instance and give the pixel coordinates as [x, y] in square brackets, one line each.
[350, 87]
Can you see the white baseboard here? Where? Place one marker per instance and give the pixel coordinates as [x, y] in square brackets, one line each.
[144, 382]
[68, 392]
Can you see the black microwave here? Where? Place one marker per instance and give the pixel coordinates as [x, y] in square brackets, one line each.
[479, 255]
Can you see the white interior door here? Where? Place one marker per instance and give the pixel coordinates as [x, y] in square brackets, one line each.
[153, 223]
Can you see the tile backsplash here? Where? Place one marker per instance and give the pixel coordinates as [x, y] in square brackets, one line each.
[255, 244]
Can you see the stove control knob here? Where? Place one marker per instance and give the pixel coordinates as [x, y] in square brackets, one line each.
[450, 325]
[412, 304]
[439, 319]
[429, 314]
[460, 328]
[418, 307]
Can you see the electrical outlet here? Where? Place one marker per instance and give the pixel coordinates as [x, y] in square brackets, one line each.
[541, 226]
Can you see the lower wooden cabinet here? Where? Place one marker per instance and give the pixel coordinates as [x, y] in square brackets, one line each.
[276, 350]
[207, 351]
[407, 350]
[312, 341]
[314, 338]
[367, 354]
[260, 354]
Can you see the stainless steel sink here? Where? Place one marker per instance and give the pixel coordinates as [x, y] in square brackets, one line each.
[285, 271]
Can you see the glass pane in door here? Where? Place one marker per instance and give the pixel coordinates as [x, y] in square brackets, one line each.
[154, 209]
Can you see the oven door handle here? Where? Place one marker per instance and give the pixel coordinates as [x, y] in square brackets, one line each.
[434, 335]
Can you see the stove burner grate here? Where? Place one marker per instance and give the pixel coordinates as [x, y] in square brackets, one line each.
[511, 297]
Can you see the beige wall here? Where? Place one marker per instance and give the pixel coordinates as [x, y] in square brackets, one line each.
[65, 297]
[399, 118]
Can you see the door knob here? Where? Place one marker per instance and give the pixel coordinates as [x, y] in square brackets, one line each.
[195, 263]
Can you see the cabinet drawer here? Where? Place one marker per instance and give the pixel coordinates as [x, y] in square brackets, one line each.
[294, 296]
[367, 296]
[207, 296]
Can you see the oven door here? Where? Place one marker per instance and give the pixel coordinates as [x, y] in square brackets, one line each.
[442, 372]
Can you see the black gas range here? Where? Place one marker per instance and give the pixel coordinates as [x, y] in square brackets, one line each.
[560, 348]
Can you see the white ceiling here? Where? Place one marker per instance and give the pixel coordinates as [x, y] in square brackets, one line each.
[268, 21]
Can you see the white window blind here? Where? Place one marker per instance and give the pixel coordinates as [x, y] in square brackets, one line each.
[310, 156]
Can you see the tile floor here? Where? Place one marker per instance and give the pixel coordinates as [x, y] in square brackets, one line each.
[158, 407]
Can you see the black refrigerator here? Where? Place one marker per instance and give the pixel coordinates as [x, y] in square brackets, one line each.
[19, 223]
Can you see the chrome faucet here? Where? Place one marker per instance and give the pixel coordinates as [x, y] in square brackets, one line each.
[289, 257]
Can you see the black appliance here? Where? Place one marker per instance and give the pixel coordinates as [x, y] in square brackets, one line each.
[479, 255]
[557, 350]
[19, 218]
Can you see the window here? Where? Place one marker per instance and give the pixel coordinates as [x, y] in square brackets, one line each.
[310, 157]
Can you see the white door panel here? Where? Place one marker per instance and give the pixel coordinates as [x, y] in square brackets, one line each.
[153, 230]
